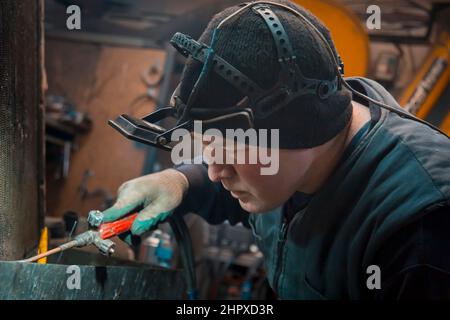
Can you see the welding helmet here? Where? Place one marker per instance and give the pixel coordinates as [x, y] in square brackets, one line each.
[257, 103]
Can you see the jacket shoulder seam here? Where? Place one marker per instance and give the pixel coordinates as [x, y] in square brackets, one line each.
[406, 146]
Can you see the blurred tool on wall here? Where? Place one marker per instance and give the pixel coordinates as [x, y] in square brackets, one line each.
[63, 124]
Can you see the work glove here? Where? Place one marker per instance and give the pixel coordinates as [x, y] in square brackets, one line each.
[157, 194]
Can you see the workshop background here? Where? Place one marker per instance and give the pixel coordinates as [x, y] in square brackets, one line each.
[60, 159]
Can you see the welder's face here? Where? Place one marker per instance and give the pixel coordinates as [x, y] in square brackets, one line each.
[256, 192]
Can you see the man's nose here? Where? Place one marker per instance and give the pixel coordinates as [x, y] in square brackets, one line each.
[216, 172]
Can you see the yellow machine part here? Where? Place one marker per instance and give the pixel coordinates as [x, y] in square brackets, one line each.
[431, 81]
[43, 245]
[445, 126]
[350, 38]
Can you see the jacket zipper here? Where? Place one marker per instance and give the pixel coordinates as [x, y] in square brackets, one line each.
[280, 246]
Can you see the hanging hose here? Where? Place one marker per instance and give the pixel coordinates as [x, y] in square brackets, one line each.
[62, 247]
[184, 242]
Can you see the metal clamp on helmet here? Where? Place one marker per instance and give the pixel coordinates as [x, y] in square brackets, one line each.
[188, 46]
[292, 83]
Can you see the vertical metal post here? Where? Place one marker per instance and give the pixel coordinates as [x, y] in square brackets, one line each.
[21, 128]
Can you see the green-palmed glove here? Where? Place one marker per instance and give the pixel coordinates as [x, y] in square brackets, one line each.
[158, 194]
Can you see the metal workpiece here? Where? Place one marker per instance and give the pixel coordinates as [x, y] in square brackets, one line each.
[95, 218]
[105, 246]
[99, 237]
[59, 282]
[85, 238]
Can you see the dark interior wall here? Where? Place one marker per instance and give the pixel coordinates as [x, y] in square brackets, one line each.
[102, 81]
[21, 165]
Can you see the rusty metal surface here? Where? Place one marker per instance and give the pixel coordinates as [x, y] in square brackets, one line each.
[49, 282]
[20, 128]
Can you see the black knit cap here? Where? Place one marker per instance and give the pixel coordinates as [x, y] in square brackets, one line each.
[246, 43]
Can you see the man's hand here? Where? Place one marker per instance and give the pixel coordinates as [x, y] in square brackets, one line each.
[158, 193]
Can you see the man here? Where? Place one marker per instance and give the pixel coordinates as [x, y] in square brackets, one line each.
[359, 206]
